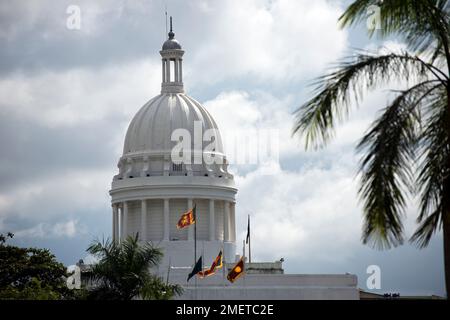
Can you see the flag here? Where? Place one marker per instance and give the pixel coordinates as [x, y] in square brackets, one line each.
[217, 264]
[237, 271]
[248, 230]
[197, 268]
[187, 219]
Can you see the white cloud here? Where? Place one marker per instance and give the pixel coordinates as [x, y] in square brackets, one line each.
[267, 40]
[302, 213]
[278, 41]
[71, 97]
[241, 112]
[64, 195]
[67, 229]
[309, 213]
[4, 202]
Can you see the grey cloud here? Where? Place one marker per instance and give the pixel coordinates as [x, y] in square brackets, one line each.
[31, 151]
[37, 38]
[67, 250]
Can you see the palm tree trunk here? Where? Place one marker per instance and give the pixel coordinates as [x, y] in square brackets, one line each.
[446, 207]
[446, 200]
[446, 235]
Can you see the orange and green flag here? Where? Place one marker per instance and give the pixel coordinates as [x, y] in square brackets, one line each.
[237, 271]
[217, 264]
[187, 219]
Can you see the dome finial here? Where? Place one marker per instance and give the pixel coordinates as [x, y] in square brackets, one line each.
[171, 43]
[171, 34]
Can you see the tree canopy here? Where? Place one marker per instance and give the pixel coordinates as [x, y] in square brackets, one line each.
[123, 271]
[31, 273]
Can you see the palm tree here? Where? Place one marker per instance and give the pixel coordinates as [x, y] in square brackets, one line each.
[407, 148]
[123, 272]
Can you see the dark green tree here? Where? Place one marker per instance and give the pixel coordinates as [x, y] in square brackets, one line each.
[407, 149]
[123, 272]
[31, 274]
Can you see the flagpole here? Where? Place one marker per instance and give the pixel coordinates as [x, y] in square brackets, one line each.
[168, 271]
[195, 236]
[203, 254]
[223, 260]
[223, 266]
[245, 275]
[195, 247]
[249, 251]
[165, 36]
[243, 258]
[249, 242]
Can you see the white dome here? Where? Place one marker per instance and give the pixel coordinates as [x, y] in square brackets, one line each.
[152, 137]
[171, 44]
[151, 128]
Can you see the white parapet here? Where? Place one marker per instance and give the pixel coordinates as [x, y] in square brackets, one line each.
[265, 286]
[274, 287]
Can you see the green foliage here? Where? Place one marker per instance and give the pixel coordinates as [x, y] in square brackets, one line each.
[156, 289]
[34, 290]
[123, 272]
[31, 274]
[408, 147]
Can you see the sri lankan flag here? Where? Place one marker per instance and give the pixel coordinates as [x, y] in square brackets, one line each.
[237, 271]
[187, 219]
[217, 264]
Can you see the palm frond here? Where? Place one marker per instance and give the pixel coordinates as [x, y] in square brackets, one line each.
[334, 92]
[389, 148]
[434, 166]
[123, 268]
[408, 146]
[424, 24]
[427, 228]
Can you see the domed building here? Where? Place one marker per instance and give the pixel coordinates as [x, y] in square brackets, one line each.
[151, 191]
[153, 188]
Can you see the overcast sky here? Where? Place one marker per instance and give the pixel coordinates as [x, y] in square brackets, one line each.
[67, 96]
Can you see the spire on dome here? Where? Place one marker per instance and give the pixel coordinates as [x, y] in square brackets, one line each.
[171, 43]
[171, 34]
[172, 68]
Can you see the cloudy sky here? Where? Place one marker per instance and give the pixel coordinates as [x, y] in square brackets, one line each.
[67, 96]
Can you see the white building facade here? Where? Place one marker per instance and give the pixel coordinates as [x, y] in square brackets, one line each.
[152, 191]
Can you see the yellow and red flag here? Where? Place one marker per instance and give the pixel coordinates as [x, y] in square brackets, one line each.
[187, 219]
[237, 271]
[217, 264]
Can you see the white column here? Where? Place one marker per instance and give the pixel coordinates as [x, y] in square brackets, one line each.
[176, 70]
[113, 223]
[115, 230]
[163, 70]
[143, 236]
[166, 220]
[119, 206]
[125, 220]
[180, 61]
[212, 225]
[233, 221]
[226, 222]
[168, 71]
[191, 229]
